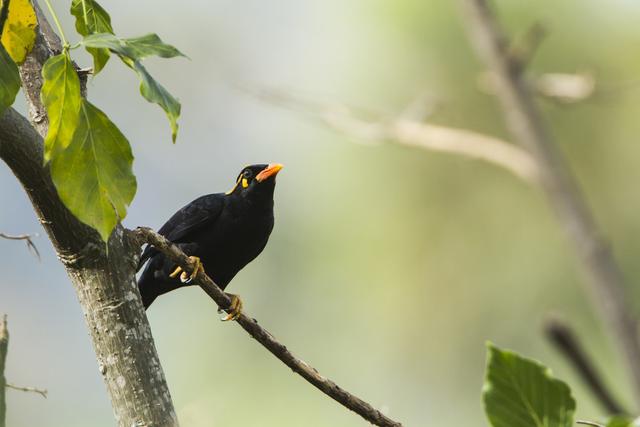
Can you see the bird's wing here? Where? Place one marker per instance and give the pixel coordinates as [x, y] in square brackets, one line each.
[202, 211]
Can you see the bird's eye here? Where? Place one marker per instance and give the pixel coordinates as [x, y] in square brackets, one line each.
[247, 173]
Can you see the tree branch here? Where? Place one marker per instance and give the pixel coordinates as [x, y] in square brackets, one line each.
[4, 347]
[26, 237]
[563, 88]
[566, 342]
[407, 131]
[104, 282]
[39, 391]
[605, 280]
[144, 235]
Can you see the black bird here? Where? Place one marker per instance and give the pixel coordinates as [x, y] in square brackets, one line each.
[220, 232]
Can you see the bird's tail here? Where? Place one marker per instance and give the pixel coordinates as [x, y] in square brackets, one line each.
[148, 288]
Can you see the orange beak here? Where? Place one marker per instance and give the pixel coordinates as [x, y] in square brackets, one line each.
[269, 171]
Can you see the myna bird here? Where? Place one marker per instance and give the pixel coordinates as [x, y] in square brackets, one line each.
[220, 232]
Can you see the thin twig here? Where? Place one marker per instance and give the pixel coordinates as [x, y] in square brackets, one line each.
[146, 235]
[41, 392]
[565, 340]
[27, 238]
[563, 88]
[602, 274]
[406, 131]
[527, 45]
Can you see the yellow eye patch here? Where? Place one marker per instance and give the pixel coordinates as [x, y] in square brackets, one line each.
[245, 183]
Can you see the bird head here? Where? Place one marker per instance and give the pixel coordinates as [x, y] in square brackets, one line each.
[256, 181]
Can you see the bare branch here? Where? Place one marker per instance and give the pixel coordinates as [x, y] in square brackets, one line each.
[144, 235]
[566, 342]
[41, 392]
[26, 237]
[525, 47]
[564, 88]
[410, 132]
[4, 347]
[602, 274]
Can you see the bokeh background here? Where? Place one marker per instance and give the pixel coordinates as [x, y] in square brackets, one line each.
[389, 267]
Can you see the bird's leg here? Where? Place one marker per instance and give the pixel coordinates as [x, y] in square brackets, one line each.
[186, 277]
[234, 310]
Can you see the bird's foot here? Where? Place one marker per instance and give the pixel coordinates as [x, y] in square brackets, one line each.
[235, 309]
[186, 277]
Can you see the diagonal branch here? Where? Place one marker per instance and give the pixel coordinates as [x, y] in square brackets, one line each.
[603, 276]
[565, 340]
[26, 237]
[407, 131]
[146, 235]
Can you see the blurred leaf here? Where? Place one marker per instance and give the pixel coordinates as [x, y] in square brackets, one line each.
[9, 80]
[623, 422]
[92, 18]
[19, 31]
[61, 97]
[156, 93]
[519, 392]
[93, 175]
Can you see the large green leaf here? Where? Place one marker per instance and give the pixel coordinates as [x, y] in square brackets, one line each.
[61, 97]
[9, 80]
[93, 175]
[156, 93]
[19, 30]
[92, 18]
[131, 52]
[519, 392]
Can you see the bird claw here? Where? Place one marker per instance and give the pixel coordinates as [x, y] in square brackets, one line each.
[186, 277]
[235, 309]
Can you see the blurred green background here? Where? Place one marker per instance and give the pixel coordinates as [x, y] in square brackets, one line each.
[388, 268]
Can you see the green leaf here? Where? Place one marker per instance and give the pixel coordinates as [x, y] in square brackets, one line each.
[9, 80]
[135, 49]
[92, 18]
[156, 93]
[520, 392]
[61, 97]
[131, 51]
[151, 45]
[107, 41]
[93, 176]
[19, 30]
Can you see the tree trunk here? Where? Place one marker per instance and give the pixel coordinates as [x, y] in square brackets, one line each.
[104, 280]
